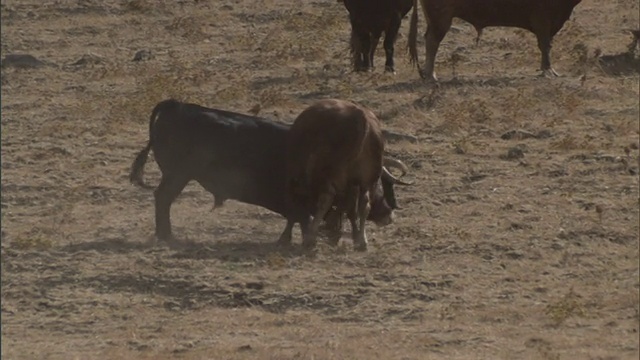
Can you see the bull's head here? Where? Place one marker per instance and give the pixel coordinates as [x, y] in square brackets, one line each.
[383, 199]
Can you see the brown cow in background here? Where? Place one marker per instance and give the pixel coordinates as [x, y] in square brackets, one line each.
[335, 156]
[544, 18]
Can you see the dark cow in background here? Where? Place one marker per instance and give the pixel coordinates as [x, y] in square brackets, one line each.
[544, 18]
[369, 19]
[335, 156]
[233, 156]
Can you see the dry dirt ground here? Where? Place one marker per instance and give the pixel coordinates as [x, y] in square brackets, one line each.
[519, 239]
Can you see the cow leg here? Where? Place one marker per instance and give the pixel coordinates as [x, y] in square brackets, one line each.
[360, 240]
[389, 40]
[365, 43]
[544, 44]
[334, 225]
[375, 39]
[218, 200]
[165, 194]
[296, 212]
[433, 37]
[325, 200]
[352, 210]
[356, 51]
[285, 237]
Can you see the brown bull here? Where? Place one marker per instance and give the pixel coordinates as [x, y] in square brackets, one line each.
[544, 18]
[335, 156]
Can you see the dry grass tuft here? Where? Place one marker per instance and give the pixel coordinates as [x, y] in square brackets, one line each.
[138, 5]
[462, 145]
[274, 97]
[571, 142]
[37, 239]
[276, 261]
[569, 306]
[189, 27]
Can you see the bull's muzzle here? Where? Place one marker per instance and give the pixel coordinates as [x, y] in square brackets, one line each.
[385, 220]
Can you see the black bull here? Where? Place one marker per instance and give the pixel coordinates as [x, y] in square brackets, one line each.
[231, 155]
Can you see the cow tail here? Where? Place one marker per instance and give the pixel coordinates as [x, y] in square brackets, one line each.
[137, 168]
[413, 36]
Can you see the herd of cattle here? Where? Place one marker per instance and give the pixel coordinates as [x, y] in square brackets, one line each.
[330, 161]
[370, 18]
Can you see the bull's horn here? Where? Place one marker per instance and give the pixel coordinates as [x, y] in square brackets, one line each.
[386, 174]
[395, 163]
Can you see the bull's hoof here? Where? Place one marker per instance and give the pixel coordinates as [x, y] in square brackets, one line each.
[334, 239]
[176, 244]
[390, 69]
[363, 69]
[360, 246]
[310, 252]
[428, 78]
[283, 242]
[164, 237]
[309, 244]
[549, 73]
[152, 240]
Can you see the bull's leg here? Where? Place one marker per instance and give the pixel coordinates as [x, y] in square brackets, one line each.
[375, 39]
[356, 51]
[304, 224]
[165, 194]
[352, 210]
[296, 212]
[389, 40]
[433, 37]
[285, 237]
[325, 200]
[334, 225]
[365, 43]
[360, 240]
[218, 200]
[544, 44]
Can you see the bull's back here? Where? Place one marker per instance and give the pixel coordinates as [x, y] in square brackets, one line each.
[328, 126]
[376, 14]
[327, 139]
[512, 13]
[516, 13]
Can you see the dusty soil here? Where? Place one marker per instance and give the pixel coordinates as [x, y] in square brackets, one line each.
[518, 240]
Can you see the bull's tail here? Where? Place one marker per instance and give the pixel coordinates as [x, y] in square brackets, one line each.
[413, 36]
[136, 174]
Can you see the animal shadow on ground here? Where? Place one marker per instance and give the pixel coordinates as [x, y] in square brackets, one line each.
[265, 83]
[117, 245]
[238, 250]
[619, 64]
[183, 293]
[193, 293]
[233, 249]
[459, 81]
